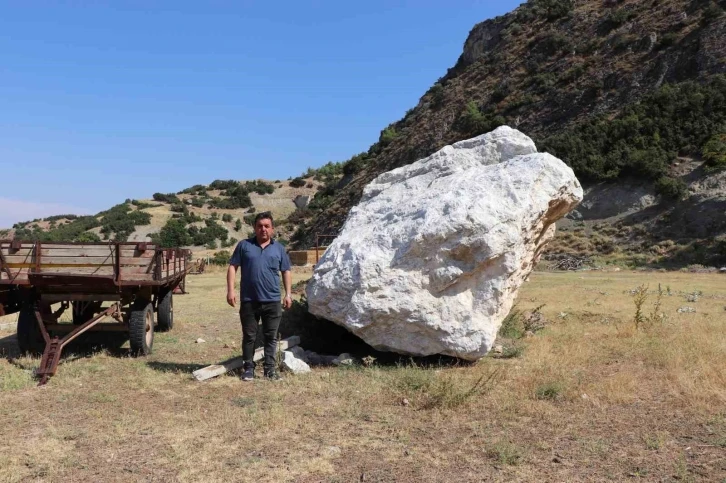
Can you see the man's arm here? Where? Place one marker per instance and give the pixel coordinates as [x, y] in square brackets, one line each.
[231, 294]
[287, 282]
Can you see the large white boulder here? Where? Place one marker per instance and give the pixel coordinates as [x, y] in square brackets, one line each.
[431, 259]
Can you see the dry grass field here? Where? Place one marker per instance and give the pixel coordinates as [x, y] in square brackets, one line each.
[589, 397]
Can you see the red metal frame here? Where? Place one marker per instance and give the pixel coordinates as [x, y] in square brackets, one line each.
[54, 287]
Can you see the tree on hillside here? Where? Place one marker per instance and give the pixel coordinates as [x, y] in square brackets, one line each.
[173, 234]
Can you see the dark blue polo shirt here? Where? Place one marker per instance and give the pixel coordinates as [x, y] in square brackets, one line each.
[261, 269]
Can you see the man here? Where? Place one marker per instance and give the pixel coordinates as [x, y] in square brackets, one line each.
[261, 258]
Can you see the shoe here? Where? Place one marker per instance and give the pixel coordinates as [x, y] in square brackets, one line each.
[248, 373]
[272, 375]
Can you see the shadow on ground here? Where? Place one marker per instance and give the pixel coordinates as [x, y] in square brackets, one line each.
[83, 347]
[174, 367]
[327, 338]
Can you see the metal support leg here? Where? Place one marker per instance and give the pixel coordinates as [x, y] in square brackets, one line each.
[54, 346]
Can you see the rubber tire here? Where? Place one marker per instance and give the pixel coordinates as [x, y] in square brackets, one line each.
[165, 312]
[141, 328]
[30, 339]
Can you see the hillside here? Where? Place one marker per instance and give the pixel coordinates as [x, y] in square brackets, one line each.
[631, 94]
[203, 217]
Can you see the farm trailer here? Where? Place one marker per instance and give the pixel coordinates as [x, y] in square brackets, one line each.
[129, 282]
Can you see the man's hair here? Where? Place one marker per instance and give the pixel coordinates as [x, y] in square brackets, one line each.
[265, 215]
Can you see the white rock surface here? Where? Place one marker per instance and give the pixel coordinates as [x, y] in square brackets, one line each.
[431, 259]
[293, 364]
[344, 359]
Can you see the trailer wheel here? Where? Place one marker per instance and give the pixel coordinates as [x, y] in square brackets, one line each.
[165, 312]
[30, 339]
[141, 328]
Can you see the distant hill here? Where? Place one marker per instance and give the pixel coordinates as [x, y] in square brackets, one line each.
[204, 217]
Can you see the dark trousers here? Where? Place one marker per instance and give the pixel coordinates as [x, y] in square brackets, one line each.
[250, 314]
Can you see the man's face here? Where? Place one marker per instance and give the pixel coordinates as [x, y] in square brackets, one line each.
[264, 230]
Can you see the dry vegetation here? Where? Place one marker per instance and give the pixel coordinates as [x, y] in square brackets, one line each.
[587, 398]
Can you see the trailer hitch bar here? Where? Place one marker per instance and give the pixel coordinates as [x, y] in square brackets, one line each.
[54, 347]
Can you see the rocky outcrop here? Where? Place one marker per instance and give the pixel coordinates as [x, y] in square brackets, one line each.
[431, 260]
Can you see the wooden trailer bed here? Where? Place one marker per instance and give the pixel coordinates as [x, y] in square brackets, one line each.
[138, 279]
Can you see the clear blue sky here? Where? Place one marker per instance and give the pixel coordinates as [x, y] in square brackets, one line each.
[102, 101]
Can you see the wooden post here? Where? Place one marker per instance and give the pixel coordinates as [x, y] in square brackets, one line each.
[218, 369]
[317, 242]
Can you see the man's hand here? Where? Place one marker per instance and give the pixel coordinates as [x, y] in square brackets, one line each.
[231, 293]
[287, 302]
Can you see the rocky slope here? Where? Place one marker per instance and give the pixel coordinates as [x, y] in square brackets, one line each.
[626, 92]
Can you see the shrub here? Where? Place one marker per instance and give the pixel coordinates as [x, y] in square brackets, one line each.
[220, 258]
[667, 40]
[87, 237]
[142, 205]
[320, 201]
[210, 232]
[238, 198]
[197, 189]
[550, 9]
[355, 164]
[259, 187]
[229, 243]
[671, 187]
[122, 221]
[512, 325]
[500, 92]
[714, 152]
[436, 93]
[711, 13]
[223, 184]
[616, 19]
[60, 217]
[166, 198]
[553, 9]
[544, 82]
[621, 42]
[227, 218]
[550, 43]
[297, 182]
[473, 122]
[238, 225]
[172, 234]
[197, 202]
[549, 391]
[327, 171]
[388, 135]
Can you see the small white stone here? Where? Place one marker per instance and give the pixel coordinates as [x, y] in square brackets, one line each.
[293, 364]
[201, 341]
[343, 359]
